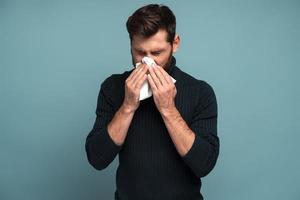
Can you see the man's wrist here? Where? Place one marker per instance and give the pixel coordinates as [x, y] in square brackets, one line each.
[171, 112]
[126, 109]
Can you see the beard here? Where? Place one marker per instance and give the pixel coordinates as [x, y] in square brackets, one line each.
[167, 65]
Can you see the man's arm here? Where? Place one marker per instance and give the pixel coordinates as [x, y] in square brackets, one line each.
[100, 148]
[198, 143]
[119, 125]
[182, 136]
[110, 128]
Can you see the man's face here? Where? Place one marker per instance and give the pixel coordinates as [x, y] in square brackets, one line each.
[155, 47]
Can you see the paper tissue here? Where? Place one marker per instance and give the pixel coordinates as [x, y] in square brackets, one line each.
[146, 91]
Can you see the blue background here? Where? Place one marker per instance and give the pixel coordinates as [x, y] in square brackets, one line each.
[55, 54]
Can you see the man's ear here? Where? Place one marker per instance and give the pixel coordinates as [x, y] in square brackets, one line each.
[176, 43]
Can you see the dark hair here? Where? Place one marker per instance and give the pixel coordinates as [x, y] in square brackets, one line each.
[147, 20]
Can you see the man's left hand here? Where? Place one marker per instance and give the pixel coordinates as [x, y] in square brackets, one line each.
[163, 89]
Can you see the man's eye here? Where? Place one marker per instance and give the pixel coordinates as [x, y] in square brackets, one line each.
[141, 53]
[156, 53]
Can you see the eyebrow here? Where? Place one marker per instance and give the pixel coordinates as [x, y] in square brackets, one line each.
[155, 50]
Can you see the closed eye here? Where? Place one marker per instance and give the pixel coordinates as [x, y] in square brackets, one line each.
[141, 53]
[156, 53]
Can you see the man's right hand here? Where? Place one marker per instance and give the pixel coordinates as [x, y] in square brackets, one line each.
[133, 86]
[118, 127]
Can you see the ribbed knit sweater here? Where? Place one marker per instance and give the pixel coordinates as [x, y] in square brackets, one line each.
[150, 168]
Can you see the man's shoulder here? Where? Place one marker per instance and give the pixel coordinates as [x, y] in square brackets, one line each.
[115, 81]
[113, 88]
[193, 94]
[192, 82]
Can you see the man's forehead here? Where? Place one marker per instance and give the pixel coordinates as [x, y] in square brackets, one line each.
[150, 45]
[160, 37]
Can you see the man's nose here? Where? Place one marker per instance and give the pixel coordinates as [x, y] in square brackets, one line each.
[150, 56]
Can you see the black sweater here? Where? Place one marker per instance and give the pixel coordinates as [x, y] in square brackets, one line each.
[149, 165]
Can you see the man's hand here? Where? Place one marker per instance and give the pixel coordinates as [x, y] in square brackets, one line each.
[164, 92]
[133, 86]
[163, 89]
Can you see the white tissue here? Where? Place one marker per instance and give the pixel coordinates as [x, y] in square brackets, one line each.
[146, 91]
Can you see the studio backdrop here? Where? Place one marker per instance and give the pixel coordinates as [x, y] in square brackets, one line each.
[55, 54]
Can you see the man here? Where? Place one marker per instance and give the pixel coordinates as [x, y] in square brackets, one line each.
[167, 142]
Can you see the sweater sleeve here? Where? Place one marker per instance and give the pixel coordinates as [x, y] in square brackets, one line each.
[100, 148]
[202, 156]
